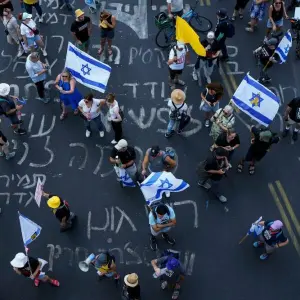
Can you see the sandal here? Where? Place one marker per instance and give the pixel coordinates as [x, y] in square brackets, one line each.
[251, 169]
[55, 282]
[76, 112]
[36, 282]
[63, 116]
[175, 294]
[100, 51]
[240, 168]
[110, 52]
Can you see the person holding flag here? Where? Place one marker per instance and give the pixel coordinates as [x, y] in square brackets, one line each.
[31, 267]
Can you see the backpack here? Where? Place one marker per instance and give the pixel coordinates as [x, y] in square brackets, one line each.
[230, 32]
[176, 114]
[169, 152]
[10, 102]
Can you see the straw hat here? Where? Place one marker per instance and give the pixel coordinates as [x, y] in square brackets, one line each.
[131, 280]
[78, 13]
[19, 261]
[178, 96]
[54, 202]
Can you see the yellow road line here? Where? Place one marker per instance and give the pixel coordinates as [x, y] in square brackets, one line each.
[284, 218]
[231, 77]
[288, 206]
[205, 3]
[226, 83]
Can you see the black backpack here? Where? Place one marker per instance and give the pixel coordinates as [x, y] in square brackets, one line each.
[10, 102]
[176, 114]
[230, 31]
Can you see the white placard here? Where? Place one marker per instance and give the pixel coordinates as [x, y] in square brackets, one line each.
[38, 192]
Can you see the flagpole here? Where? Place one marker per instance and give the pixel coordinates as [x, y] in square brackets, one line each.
[26, 251]
[242, 240]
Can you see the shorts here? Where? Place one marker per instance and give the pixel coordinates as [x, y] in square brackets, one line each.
[269, 249]
[107, 34]
[291, 122]
[32, 40]
[257, 11]
[278, 23]
[207, 108]
[84, 45]
[13, 119]
[173, 73]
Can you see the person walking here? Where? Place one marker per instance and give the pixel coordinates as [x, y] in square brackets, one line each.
[161, 220]
[12, 30]
[107, 25]
[68, 93]
[61, 210]
[81, 30]
[4, 147]
[131, 288]
[30, 34]
[178, 55]
[261, 142]
[208, 62]
[115, 116]
[271, 238]
[3, 5]
[31, 267]
[177, 111]
[10, 109]
[38, 74]
[292, 118]
[124, 157]
[222, 121]
[90, 109]
[257, 13]
[67, 4]
[239, 9]
[276, 13]
[29, 4]
[210, 99]
[175, 8]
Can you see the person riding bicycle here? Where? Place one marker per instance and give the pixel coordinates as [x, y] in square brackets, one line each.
[175, 8]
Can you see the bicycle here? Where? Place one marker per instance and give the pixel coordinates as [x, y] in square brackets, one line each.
[295, 23]
[166, 34]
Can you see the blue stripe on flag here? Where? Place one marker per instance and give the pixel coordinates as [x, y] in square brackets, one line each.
[178, 189]
[288, 36]
[31, 240]
[251, 111]
[260, 88]
[89, 60]
[282, 55]
[152, 179]
[87, 81]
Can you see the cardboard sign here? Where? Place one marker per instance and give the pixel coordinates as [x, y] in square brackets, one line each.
[38, 192]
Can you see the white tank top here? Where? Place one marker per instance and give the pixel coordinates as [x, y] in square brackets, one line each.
[112, 110]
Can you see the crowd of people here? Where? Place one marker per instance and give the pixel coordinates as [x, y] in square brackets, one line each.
[218, 116]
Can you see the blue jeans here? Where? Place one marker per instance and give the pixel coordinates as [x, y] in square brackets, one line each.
[171, 125]
[28, 8]
[97, 121]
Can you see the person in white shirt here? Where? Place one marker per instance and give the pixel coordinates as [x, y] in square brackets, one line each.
[30, 33]
[175, 8]
[90, 109]
[177, 57]
[177, 110]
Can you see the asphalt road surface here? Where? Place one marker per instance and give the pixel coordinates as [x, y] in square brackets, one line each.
[77, 168]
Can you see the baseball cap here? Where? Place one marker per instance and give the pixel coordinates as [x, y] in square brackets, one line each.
[277, 225]
[25, 16]
[210, 35]
[180, 44]
[121, 144]
[222, 12]
[154, 150]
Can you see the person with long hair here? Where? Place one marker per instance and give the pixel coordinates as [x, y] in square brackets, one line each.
[68, 93]
[107, 25]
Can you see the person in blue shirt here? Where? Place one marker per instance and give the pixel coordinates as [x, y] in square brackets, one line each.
[161, 219]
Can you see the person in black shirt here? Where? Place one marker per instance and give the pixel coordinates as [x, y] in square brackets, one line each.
[229, 141]
[4, 150]
[31, 268]
[123, 156]
[131, 288]
[292, 118]
[61, 210]
[261, 142]
[272, 237]
[213, 169]
[209, 61]
[81, 30]
[221, 31]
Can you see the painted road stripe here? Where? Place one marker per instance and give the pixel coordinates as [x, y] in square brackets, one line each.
[288, 206]
[284, 218]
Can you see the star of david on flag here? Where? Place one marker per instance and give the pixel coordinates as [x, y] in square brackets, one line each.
[157, 183]
[86, 69]
[255, 100]
[125, 178]
[284, 47]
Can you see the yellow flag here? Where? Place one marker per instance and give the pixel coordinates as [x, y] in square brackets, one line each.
[186, 34]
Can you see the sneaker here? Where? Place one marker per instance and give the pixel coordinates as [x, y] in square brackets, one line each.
[20, 52]
[264, 256]
[179, 131]
[233, 18]
[258, 244]
[168, 194]
[20, 131]
[222, 198]
[153, 243]
[168, 134]
[101, 133]
[163, 285]
[229, 165]
[168, 239]
[249, 29]
[208, 79]
[87, 133]
[1, 154]
[205, 185]
[41, 19]
[10, 155]
[44, 52]
[114, 142]
[194, 75]
[206, 124]
[295, 135]
[285, 132]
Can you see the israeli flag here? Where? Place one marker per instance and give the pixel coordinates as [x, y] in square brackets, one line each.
[255, 228]
[284, 46]
[30, 230]
[86, 69]
[157, 183]
[125, 178]
[255, 100]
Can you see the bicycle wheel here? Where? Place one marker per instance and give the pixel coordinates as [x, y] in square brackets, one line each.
[200, 23]
[165, 37]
